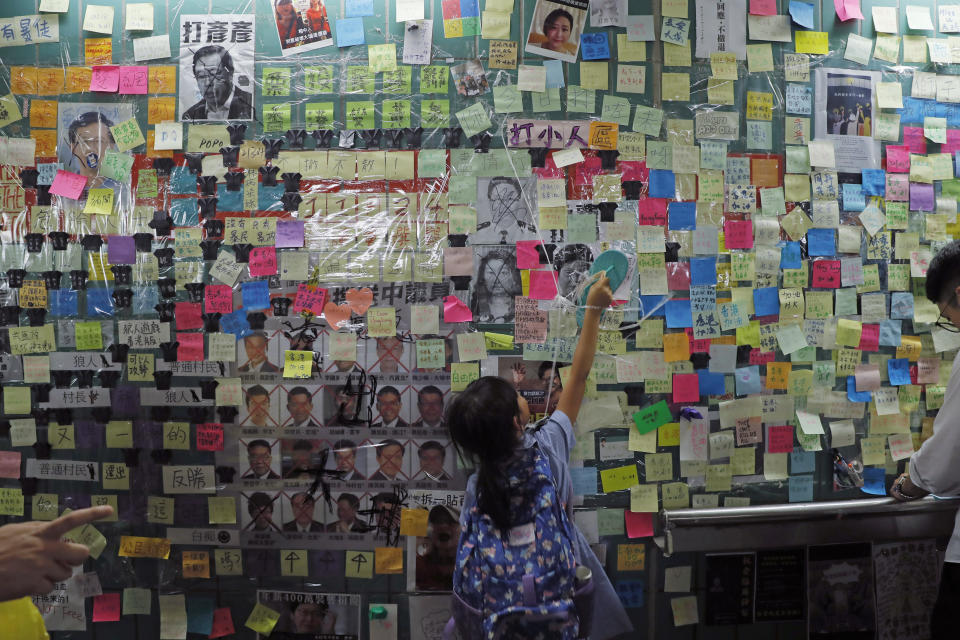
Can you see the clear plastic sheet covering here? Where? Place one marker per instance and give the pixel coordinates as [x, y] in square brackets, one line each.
[155, 343]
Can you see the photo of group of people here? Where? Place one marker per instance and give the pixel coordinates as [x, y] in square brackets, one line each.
[378, 460]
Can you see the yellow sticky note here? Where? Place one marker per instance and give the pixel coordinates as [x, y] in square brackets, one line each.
[668, 435]
[359, 565]
[228, 562]
[631, 557]
[297, 364]
[389, 560]
[45, 506]
[812, 42]
[676, 87]
[222, 509]
[723, 65]
[643, 498]
[16, 400]
[594, 75]
[141, 547]
[140, 367]
[119, 434]
[293, 562]
[262, 619]
[462, 374]
[115, 475]
[11, 502]
[381, 322]
[89, 336]
[848, 332]
[99, 201]
[33, 294]
[498, 341]
[619, 478]
[413, 522]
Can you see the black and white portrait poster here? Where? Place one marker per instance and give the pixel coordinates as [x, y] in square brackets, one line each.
[556, 29]
[845, 113]
[840, 596]
[313, 616]
[216, 67]
[906, 588]
[505, 210]
[302, 25]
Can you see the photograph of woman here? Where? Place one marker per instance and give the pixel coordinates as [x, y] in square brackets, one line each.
[302, 25]
[495, 286]
[555, 30]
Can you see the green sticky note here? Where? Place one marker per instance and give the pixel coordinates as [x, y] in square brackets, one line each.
[435, 79]
[546, 101]
[462, 374]
[474, 119]
[319, 115]
[136, 601]
[462, 189]
[360, 80]
[128, 135]
[610, 522]
[648, 120]
[652, 417]
[116, 165]
[798, 159]
[582, 228]
[276, 81]
[615, 109]
[507, 99]
[360, 115]
[396, 114]
[382, 57]
[400, 80]
[434, 114]
[463, 219]
[146, 182]
[580, 100]
[276, 117]
[431, 163]
[88, 336]
[318, 79]
[431, 354]
[660, 155]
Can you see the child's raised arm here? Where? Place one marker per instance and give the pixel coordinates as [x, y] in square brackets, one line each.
[598, 299]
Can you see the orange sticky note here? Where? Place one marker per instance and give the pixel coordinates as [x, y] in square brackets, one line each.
[23, 80]
[163, 79]
[50, 81]
[676, 347]
[196, 564]
[161, 109]
[603, 135]
[78, 79]
[765, 172]
[777, 375]
[98, 51]
[413, 522]
[388, 560]
[46, 142]
[43, 114]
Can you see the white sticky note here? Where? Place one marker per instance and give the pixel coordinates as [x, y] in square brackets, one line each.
[918, 18]
[98, 19]
[409, 10]
[532, 78]
[567, 157]
[889, 95]
[842, 433]
[54, 6]
[677, 579]
[885, 19]
[168, 135]
[151, 48]
[822, 154]
[139, 17]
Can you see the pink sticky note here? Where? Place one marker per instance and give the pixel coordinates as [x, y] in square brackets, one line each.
[870, 338]
[780, 439]
[222, 623]
[953, 141]
[310, 298]
[763, 7]
[105, 78]
[898, 187]
[527, 255]
[678, 276]
[106, 607]
[583, 172]
[914, 140]
[738, 234]
[454, 310]
[68, 184]
[218, 298]
[634, 171]
[846, 9]
[543, 285]
[263, 261]
[191, 347]
[639, 525]
[188, 316]
[653, 211]
[826, 274]
[686, 387]
[289, 234]
[9, 464]
[210, 436]
[133, 80]
[898, 159]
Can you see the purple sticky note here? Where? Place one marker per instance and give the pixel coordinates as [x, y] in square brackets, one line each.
[68, 184]
[125, 400]
[121, 250]
[289, 234]
[88, 434]
[921, 197]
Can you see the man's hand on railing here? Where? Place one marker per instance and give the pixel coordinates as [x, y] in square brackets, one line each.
[902, 490]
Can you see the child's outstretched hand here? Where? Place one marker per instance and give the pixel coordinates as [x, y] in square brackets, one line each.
[600, 295]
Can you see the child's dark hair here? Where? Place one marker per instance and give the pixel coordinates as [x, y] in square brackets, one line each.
[943, 274]
[481, 426]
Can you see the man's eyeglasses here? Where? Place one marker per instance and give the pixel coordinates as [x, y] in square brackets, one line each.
[943, 322]
[220, 75]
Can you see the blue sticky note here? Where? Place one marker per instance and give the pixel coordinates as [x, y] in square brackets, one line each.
[469, 9]
[856, 396]
[584, 480]
[803, 462]
[890, 332]
[256, 295]
[236, 323]
[63, 303]
[766, 301]
[99, 302]
[349, 32]
[182, 182]
[901, 305]
[802, 13]
[270, 198]
[653, 306]
[145, 300]
[748, 380]
[822, 242]
[681, 215]
[662, 184]
[874, 182]
[359, 8]
[554, 74]
[678, 314]
[898, 370]
[801, 488]
[913, 110]
[790, 256]
[711, 384]
[184, 212]
[854, 198]
[875, 481]
[630, 592]
[47, 171]
[595, 46]
[703, 271]
[229, 200]
[200, 615]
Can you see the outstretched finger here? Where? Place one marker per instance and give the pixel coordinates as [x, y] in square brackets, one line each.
[74, 519]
